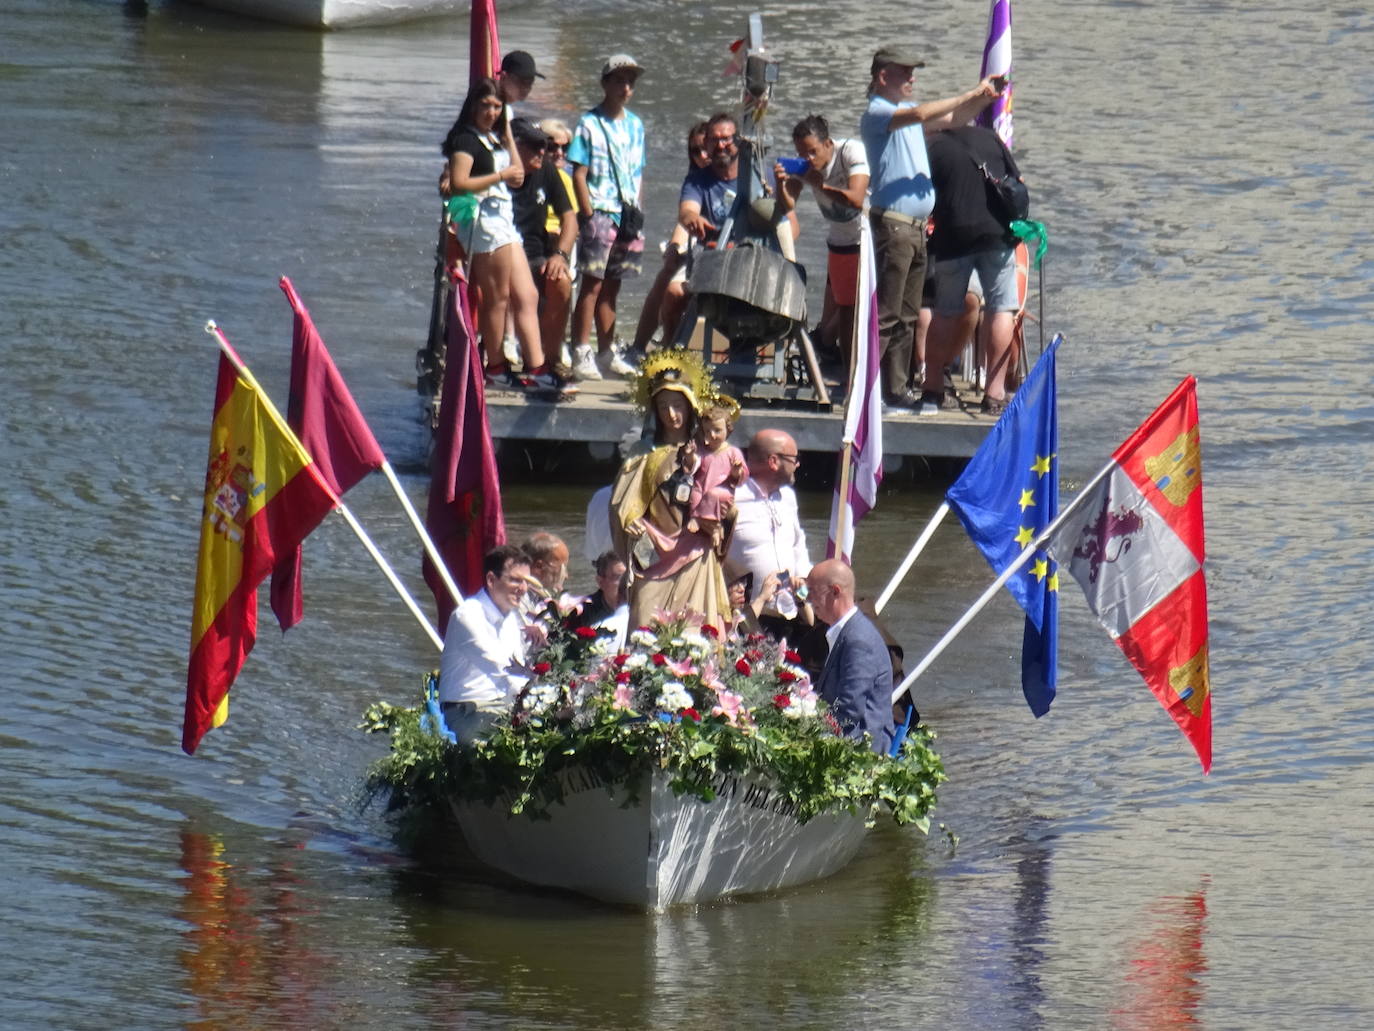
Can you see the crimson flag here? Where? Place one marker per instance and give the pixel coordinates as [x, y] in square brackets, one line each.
[485, 45]
[1135, 545]
[464, 515]
[323, 414]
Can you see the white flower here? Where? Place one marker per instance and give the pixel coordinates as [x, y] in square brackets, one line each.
[544, 695]
[636, 660]
[643, 638]
[697, 645]
[673, 697]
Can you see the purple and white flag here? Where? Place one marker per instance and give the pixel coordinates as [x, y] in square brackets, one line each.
[997, 61]
[863, 421]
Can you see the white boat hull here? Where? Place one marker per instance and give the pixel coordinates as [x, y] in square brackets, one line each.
[666, 850]
[337, 14]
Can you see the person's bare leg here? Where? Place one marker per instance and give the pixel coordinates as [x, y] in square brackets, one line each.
[524, 305]
[672, 309]
[1000, 326]
[649, 315]
[942, 341]
[553, 315]
[582, 311]
[488, 277]
[605, 314]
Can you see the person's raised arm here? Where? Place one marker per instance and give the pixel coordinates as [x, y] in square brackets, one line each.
[941, 114]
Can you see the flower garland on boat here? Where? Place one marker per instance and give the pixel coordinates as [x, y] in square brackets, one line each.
[681, 697]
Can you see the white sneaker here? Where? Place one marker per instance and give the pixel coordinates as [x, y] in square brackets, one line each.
[612, 361]
[565, 358]
[584, 363]
[510, 348]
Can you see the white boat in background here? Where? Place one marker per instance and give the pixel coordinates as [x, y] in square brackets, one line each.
[665, 849]
[338, 14]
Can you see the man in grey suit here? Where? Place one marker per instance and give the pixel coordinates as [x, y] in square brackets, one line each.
[857, 678]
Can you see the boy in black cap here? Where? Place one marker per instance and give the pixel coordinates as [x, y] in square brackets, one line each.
[516, 78]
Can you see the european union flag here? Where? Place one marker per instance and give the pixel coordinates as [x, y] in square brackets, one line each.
[1005, 498]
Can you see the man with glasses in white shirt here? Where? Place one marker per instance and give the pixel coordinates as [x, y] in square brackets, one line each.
[484, 645]
[768, 537]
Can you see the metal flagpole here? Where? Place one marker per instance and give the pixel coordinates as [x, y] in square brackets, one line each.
[232, 355]
[1005, 575]
[425, 538]
[911, 555]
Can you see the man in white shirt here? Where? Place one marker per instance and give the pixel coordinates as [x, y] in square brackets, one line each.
[768, 536]
[477, 685]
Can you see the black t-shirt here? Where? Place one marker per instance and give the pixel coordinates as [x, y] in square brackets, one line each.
[532, 201]
[468, 142]
[964, 224]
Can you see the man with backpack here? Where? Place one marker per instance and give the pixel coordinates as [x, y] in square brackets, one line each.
[972, 170]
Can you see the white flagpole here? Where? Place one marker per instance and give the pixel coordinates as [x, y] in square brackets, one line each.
[425, 539]
[229, 352]
[911, 555]
[1006, 575]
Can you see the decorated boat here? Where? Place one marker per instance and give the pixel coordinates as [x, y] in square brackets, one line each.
[681, 766]
[337, 14]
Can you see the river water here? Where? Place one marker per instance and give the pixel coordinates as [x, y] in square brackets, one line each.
[1203, 170]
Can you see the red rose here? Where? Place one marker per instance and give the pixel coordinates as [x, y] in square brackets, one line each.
[742, 666]
[623, 677]
[586, 632]
[709, 630]
[691, 714]
[754, 638]
[753, 655]
[792, 657]
[786, 676]
[619, 660]
[540, 668]
[782, 701]
[660, 659]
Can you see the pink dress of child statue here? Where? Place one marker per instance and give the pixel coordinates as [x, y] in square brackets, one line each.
[722, 469]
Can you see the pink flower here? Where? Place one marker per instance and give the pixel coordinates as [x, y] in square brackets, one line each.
[681, 667]
[624, 698]
[731, 706]
[742, 666]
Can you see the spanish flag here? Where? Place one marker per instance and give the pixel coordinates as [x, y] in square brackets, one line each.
[263, 496]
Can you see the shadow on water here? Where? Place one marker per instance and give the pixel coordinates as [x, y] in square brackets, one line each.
[490, 946]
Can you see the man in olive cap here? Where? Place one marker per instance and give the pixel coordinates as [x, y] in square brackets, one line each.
[901, 200]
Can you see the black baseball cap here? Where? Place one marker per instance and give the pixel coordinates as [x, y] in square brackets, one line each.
[528, 133]
[519, 63]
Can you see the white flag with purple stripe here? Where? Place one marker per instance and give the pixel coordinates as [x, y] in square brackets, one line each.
[997, 61]
[863, 422]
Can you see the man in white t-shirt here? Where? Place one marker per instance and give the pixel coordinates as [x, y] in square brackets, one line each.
[837, 172]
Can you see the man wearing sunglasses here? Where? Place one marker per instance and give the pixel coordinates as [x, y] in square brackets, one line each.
[549, 257]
